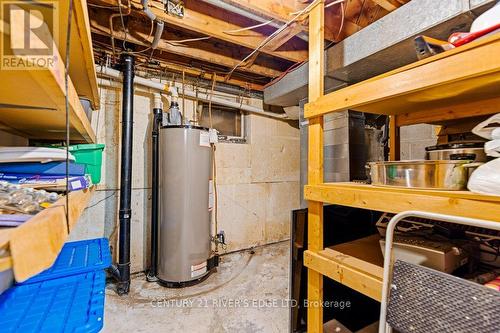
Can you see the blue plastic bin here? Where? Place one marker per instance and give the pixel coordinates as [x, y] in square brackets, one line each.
[67, 297]
[73, 303]
[77, 257]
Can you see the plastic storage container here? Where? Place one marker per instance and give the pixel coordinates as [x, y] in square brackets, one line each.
[70, 304]
[91, 156]
[75, 258]
[67, 297]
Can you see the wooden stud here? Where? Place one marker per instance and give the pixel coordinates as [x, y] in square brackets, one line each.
[394, 139]
[315, 164]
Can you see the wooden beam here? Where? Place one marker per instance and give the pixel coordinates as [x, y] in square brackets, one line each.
[174, 64]
[337, 270]
[315, 163]
[357, 264]
[281, 10]
[394, 139]
[283, 37]
[208, 76]
[276, 9]
[440, 115]
[459, 203]
[141, 38]
[212, 24]
[389, 5]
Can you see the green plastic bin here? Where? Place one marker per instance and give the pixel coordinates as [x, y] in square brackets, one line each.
[91, 156]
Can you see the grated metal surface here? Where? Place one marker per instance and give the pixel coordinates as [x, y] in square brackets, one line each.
[423, 300]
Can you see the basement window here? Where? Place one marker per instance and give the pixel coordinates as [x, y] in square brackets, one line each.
[228, 121]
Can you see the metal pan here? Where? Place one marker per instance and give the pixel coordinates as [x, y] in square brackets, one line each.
[422, 174]
[449, 150]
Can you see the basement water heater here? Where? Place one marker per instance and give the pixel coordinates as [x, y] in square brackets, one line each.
[185, 201]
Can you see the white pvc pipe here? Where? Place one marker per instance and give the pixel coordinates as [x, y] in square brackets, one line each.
[164, 87]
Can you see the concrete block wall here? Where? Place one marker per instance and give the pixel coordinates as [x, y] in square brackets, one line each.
[258, 182]
[414, 139]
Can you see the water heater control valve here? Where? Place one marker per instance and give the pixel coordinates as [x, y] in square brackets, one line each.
[220, 238]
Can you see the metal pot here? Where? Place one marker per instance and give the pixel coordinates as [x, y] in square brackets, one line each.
[457, 150]
[421, 174]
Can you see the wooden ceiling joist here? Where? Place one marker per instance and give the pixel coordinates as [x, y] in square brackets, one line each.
[208, 76]
[283, 37]
[388, 5]
[211, 25]
[279, 10]
[358, 13]
[199, 50]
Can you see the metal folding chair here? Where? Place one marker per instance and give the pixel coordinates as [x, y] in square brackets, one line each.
[418, 299]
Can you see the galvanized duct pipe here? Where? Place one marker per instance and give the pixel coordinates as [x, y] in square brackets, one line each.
[164, 87]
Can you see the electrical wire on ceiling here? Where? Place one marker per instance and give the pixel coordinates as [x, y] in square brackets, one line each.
[273, 35]
[334, 3]
[147, 39]
[361, 11]
[235, 32]
[101, 6]
[112, 16]
[342, 11]
[326, 6]
[182, 41]
[298, 64]
[176, 43]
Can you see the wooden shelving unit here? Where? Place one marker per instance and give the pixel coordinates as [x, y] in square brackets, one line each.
[33, 246]
[358, 265]
[33, 102]
[463, 75]
[82, 68]
[461, 83]
[33, 105]
[396, 200]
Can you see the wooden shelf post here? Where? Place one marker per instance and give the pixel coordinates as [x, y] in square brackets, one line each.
[394, 139]
[315, 164]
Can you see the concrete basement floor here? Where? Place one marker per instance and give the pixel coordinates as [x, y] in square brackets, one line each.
[248, 294]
